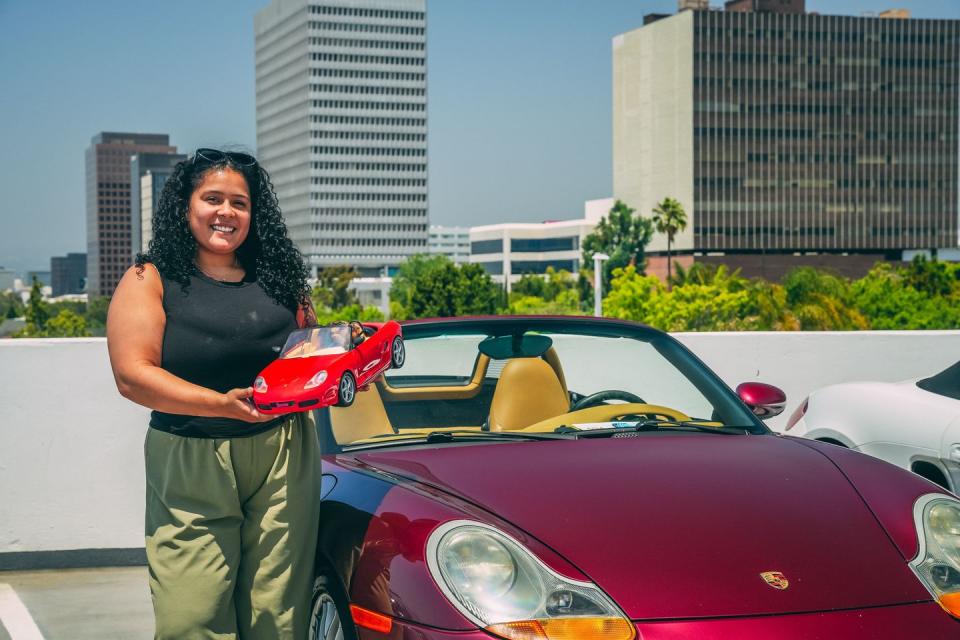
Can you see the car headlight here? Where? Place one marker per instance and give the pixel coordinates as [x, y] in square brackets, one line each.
[503, 588]
[317, 379]
[260, 385]
[938, 558]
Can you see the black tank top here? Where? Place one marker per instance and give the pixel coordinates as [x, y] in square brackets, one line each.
[219, 335]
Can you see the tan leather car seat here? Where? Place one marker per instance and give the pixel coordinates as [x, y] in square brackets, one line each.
[528, 391]
[365, 418]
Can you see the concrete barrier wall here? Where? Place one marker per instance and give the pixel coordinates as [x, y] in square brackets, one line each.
[71, 448]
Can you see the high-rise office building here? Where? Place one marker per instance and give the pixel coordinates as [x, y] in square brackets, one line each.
[108, 204]
[148, 174]
[68, 274]
[786, 133]
[342, 126]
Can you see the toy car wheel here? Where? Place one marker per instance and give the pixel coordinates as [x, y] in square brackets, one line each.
[330, 616]
[347, 390]
[398, 353]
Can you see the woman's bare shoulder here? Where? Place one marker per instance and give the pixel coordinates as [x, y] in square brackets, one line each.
[140, 281]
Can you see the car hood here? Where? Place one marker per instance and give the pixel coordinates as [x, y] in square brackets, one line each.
[683, 525]
[294, 372]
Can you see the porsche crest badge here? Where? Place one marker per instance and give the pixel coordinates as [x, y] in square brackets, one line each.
[775, 579]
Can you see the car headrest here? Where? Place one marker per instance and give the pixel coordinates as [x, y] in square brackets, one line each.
[528, 392]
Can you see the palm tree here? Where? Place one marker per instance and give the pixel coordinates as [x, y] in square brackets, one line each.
[669, 218]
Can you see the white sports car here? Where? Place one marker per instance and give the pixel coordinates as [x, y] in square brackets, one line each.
[913, 424]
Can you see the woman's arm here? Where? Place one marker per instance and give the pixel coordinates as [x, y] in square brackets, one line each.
[135, 324]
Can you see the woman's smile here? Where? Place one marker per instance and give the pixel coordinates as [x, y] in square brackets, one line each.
[220, 211]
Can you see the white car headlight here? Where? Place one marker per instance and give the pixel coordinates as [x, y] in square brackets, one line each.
[500, 586]
[937, 564]
[260, 385]
[317, 380]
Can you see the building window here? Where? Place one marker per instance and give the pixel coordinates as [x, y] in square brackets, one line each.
[487, 246]
[543, 244]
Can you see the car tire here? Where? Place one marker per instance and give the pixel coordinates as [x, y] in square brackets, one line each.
[398, 353]
[346, 390]
[330, 617]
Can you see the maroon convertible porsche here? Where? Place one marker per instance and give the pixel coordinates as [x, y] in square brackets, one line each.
[574, 478]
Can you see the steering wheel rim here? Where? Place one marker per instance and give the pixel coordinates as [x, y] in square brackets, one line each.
[602, 396]
[606, 413]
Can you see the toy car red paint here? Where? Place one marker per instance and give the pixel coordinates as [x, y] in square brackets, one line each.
[323, 366]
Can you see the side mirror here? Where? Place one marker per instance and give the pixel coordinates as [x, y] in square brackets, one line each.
[765, 400]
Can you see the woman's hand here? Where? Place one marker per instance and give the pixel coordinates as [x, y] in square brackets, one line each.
[237, 404]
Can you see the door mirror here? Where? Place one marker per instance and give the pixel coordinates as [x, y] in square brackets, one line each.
[765, 400]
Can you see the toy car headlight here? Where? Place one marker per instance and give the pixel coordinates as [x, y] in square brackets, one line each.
[317, 379]
[503, 588]
[260, 385]
[938, 559]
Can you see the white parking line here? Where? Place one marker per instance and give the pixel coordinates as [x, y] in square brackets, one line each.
[14, 616]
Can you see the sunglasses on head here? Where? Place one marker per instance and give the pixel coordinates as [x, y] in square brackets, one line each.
[214, 156]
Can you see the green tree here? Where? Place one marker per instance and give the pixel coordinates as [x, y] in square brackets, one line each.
[433, 286]
[566, 303]
[96, 314]
[36, 314]
[669, 218]
[332, 290]
[932, 277]
[713, 300]
[822, 301]
[554, 293]
[621, 235]
[350, 312]
[547, 286]
[888, 300]
[10, 305]
[66, 324]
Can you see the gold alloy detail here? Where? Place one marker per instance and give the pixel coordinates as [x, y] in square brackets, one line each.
[775, 579]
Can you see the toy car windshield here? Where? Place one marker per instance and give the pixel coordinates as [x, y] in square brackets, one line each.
[317, 341]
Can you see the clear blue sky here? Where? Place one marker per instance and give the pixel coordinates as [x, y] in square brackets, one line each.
[519, 100]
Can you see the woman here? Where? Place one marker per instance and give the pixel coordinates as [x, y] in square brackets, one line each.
[232, 505]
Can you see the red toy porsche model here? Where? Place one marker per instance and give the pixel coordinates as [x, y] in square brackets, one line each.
[322, 366]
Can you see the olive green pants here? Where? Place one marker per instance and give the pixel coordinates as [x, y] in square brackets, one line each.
[231, 529]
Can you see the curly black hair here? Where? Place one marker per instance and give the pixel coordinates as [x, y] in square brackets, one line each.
[267, 253]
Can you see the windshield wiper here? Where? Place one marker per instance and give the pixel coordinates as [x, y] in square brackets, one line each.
[457, 435]
[461, 434]
[657, 425]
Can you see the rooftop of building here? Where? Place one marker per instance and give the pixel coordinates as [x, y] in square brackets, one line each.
[794, 7]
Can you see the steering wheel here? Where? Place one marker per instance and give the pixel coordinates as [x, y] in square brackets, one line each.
[607, 413]
[603, 396]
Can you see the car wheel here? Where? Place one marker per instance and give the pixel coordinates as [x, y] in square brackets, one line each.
[398, 353]
[330, 615]
[347, 390]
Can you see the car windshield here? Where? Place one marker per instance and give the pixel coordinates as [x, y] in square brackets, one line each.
[537, 376]
[317, 341]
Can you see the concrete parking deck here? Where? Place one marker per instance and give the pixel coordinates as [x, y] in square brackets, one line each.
[76, 604]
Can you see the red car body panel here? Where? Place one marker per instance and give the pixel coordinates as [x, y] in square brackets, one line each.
[874, 480]
[682, 525]
[391, 574]
[285, 378]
